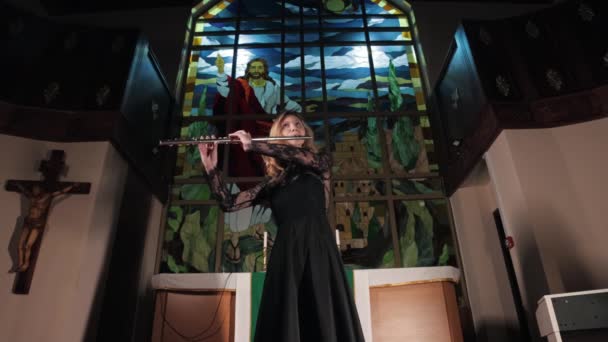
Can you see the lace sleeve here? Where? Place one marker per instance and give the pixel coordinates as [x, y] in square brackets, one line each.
[319, 162]
[233, 202]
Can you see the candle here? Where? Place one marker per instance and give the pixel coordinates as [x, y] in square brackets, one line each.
[265, 239]
[265, 248]
[338, 238]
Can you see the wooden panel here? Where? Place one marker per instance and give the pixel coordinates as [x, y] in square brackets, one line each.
[491, 50]
[538, 70]
[418, 312]
[451, 306]
[194, 316]
[95, 84]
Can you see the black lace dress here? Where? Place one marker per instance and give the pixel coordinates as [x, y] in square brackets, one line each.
[306, 296]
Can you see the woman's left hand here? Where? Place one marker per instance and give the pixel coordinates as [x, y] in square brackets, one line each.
[244, 138]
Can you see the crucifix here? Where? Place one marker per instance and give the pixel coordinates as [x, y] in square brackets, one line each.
[40, 195]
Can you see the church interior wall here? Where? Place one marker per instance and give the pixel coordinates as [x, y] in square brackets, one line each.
[72, 257]
[489, 294]
[549, 188]
[547, 184]
[561, 172]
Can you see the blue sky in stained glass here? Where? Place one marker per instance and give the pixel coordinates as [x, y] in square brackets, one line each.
[292, 23]
[294, 8]
[342, 23]
[383, 22]
[311, 23]
[311, 37]
[347, 78]
[292, 37]
[217, 40]
[343, 36]
[259, 38]
[392, 36]
[217, 26]
[293, 73]
[261, 25]
[312, 78]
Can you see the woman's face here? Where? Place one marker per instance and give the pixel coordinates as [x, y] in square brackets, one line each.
[292, 126]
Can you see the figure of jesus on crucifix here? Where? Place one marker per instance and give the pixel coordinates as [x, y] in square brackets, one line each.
[40, 196]
[33, 224]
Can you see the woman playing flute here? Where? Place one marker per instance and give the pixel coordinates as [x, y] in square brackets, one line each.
[306, 296]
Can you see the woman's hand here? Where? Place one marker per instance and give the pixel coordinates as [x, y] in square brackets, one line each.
[208, 152]
[244, 137]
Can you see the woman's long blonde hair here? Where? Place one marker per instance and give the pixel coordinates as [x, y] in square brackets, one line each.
[272, 166]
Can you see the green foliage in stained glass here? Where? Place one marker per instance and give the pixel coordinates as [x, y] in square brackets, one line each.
[409, 256]
[403, 187]
[368, 134]
[394, 93]
[175, 216]
[405, 146]
[445, 256]
[421, 188]
[169, 235]
[202, 103]
[271, 228]
[389, 259]
[195, 192]
[197, 239]
[252, 248]
[416, 243]
[197, 129]
[374, 229]
[174, 267]
[356, 217]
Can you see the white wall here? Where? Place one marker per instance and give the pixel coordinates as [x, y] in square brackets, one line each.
[550, 186]
[489, 293]
[145, 306]
[74, 247]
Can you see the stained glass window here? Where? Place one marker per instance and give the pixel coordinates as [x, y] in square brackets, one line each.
[351, 69]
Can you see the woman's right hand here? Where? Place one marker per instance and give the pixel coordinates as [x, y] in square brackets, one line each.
[208, 152]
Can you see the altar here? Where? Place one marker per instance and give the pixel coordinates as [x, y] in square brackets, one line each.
[394, 304]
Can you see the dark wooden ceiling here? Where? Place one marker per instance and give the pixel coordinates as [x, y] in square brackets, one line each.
[66, 7]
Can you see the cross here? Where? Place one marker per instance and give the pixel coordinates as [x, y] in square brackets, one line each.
[40, 195]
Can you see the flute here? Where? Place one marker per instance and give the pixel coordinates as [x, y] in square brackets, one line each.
[223, 140]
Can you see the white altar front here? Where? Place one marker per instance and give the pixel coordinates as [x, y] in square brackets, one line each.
[394, 304]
